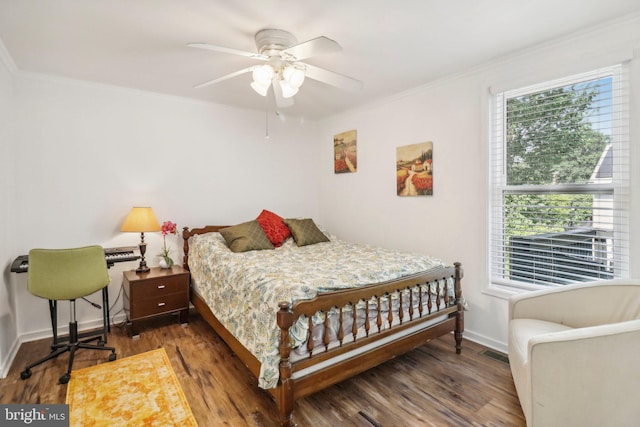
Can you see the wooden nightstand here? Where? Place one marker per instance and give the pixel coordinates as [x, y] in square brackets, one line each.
[160, 291]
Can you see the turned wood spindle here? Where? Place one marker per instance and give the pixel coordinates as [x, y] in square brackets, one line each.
[354, 325]
[327, 335]
[411, 303]
[379, 316]
[340, 328]
[446, 293]
[310, 343]
[367, 324]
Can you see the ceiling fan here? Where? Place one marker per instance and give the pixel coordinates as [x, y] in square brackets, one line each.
[283, 70]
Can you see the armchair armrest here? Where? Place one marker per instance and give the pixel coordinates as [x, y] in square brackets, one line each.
[586, 376]
[581, 305]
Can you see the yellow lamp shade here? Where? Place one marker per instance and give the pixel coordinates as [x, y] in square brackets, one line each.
[140, 220]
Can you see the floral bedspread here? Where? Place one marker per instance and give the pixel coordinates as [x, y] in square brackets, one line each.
[244, 289]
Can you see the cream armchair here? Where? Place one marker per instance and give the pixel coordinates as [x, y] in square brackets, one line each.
[574, 353]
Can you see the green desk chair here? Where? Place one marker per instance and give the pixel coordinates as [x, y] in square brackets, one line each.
[68, 274]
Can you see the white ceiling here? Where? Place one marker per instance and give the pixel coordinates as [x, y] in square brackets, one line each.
[392, 46]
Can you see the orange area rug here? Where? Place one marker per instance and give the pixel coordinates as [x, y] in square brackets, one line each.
[140, 390]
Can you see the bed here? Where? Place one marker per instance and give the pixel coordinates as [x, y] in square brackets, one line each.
[299, 328]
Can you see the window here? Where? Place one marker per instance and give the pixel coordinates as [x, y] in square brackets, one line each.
[559, 181]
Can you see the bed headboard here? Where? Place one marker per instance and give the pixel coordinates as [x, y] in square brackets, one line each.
[186, 233]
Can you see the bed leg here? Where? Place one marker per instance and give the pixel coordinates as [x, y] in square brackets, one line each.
[459, 273]
[459, 330]
[285, 393]
[285, 405]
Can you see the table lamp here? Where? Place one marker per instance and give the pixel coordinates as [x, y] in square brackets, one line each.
[139, 220]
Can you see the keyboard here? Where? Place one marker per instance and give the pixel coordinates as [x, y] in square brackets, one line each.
[111, 255]
[121, 254]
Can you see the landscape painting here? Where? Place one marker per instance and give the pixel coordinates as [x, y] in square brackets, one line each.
[414, 169]
[345, 151]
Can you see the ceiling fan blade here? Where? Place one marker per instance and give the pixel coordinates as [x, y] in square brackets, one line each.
[226, 77]
[331, 78]
[214, 48]
[281, 101]
[313, 47]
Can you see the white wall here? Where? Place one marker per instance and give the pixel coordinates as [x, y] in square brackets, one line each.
[87, 153]
[453, 114]
[8, 332]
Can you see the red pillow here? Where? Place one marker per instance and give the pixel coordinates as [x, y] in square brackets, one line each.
[273, 226]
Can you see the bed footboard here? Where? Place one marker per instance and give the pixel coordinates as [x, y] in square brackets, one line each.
[426, 311]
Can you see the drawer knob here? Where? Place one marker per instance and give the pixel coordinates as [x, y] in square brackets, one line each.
[160, 286]
[160, 304]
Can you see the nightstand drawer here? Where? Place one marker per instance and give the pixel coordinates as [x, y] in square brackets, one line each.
[153, 305]
[159, 286]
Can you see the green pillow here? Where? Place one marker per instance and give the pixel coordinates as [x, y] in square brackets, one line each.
[305, 232]
[248, 236]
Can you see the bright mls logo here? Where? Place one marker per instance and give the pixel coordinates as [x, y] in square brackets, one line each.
[34, 415]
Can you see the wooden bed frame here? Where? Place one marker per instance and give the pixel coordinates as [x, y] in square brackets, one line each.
[352, 356]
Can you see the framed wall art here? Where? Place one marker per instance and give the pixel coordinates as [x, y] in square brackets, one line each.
[345, 151]
[414, 169]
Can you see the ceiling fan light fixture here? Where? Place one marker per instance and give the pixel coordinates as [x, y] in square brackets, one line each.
[261, 89]
[263, 74]
[287, 90]
[294, 76]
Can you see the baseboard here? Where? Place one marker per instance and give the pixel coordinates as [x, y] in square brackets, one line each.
[486, 341]
[8, 361]
[46, 333]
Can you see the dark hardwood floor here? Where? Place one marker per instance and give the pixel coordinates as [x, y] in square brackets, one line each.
[430, 386]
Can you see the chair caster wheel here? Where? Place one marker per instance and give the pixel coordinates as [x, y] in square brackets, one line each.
[112, 357]
[25, 374]
[65, 378]
[101, 343]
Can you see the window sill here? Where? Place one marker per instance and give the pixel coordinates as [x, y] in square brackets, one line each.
[502, 292]
[503, 288]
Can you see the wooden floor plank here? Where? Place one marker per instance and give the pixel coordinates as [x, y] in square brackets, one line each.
[430, 386]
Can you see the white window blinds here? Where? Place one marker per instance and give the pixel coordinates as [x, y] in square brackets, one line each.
[559, 181]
